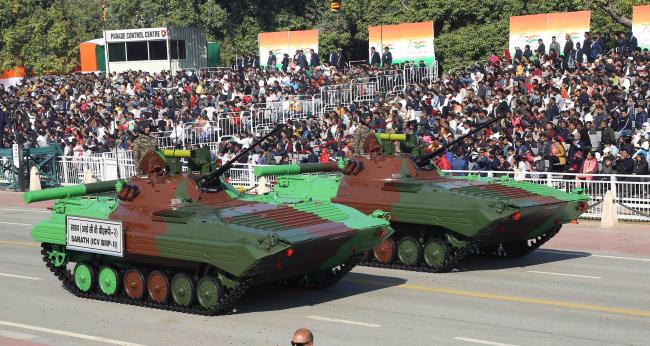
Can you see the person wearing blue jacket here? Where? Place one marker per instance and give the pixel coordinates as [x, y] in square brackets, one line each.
[632, 43]
[597, 48]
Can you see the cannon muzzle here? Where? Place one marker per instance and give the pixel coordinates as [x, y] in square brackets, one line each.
[177, 153]
[69, 191]
[401, 137]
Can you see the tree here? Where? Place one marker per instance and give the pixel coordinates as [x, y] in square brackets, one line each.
[45, 34]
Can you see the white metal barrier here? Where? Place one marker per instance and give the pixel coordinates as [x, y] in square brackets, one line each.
[262, 116]
[169, 139]
[196, 133]
[391, 80]
[210, 70]
[335, 95]
[241, 175]
[121, 154]
[318, 107]
[71, 170]
[365, 90]
[632, 197]
[6, 174]
[631, 194]
[416, 74]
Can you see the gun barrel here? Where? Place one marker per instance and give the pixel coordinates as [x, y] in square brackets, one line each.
[177, 153]
[392, 137]
[263, 171]
[423, 159]
[212, 178]
[69, 191]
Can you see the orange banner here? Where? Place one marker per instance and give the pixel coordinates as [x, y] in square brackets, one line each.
[286, 42]
[641, 25]
[87, 57]
[527, 30]
[406, 41]
[11, 77]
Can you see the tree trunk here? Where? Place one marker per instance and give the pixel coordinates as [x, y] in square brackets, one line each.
[625, 21]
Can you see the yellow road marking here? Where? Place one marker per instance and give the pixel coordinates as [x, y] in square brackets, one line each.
[19, 243]
[515, 299]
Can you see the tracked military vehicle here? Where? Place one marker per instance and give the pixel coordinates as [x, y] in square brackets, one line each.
[437, 218]
[191, 242]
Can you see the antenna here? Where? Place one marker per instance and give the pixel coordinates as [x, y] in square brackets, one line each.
[424, 159]
[212, 178]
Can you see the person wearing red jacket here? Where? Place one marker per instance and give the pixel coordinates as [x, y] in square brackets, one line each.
[442, 162]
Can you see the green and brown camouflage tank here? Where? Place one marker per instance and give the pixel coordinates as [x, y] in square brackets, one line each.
[178, 242]
[437, 218]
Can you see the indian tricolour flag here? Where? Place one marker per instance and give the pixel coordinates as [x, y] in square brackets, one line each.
[641, 25]
[527, 30]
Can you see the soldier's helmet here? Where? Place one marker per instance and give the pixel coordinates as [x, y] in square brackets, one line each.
[146, 126]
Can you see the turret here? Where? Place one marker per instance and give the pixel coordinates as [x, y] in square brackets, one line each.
[71, 191]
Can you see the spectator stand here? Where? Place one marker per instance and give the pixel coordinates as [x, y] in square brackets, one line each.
[247, 103]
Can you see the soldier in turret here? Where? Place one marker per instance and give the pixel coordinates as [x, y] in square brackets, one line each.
[142, 145]
[360, 135]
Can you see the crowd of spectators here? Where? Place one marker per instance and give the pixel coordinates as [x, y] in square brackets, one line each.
[579, 108]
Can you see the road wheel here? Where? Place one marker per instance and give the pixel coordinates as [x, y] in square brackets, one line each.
[385, 252]
[134, 284]
[158, 286]
[436, 253]
[84, 276]
[209, 292]
[109, 280]
[409, 251]
[57, 255]
[183, 289]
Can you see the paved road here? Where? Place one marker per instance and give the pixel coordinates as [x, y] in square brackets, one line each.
[551, 297]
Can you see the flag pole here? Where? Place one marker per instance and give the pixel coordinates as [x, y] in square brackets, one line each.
[106, 62]
[108, 73]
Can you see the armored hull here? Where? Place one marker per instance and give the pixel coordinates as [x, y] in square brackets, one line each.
[439, 218]
[163, 241]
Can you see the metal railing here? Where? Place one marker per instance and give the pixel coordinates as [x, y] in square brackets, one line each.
[72, 170]
[121, 154]
[631, 193]
[261, 116]
[7, 171]
[364, 90]
[632, 197]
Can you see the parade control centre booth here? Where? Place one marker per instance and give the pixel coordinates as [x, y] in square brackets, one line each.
[155, 49]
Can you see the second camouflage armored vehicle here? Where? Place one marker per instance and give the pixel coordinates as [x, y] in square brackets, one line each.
[437, 218]
[191, 242]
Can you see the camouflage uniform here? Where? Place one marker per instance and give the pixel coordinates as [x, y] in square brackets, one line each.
[142, 145]
[360, 135]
